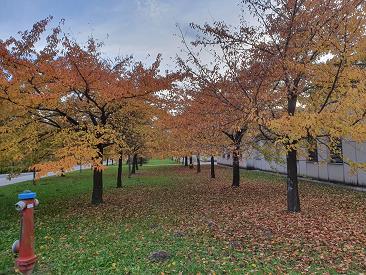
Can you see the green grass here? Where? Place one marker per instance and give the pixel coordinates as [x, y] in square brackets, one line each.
[203, 224]
[161, 162]
[98, 245]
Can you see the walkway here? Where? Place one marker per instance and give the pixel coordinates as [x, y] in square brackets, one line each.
[4, 178]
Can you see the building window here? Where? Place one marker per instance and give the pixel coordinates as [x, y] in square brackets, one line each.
[336, 153]
[313, 150]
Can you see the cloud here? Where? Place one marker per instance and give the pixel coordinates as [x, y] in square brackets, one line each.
[138, 27]
[151, 8]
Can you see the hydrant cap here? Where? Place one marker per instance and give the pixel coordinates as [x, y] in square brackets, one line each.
[26, 195]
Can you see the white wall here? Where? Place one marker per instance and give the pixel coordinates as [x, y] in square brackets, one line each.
[322, 170]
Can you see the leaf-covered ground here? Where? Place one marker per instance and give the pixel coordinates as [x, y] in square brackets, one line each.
[203, 224]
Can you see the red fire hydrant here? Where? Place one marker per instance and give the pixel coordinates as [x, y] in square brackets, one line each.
[25, 246]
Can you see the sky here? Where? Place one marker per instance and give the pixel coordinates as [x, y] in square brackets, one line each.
[142, 28]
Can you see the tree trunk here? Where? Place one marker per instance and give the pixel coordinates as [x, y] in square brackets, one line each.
[119, 172]
[136, 163]
[198, 164]
[141, 161]
[112, 161]
[190, 162]
[34, 176]
[97, 195]
[63, 172]
[129, 166]
[107, 161]
[80, 167]
[236, 169]
[133, 170]
[293, 200]
[185, 161]
[212, 167]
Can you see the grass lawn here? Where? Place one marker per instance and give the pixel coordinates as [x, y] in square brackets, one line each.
[158, 162]
[203, 224]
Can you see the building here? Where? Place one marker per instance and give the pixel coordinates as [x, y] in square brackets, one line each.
[321, 163]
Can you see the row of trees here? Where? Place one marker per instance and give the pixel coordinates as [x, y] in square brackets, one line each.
[294, 76]
[65, 104]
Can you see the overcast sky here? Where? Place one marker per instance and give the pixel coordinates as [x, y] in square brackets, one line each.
[138, 27]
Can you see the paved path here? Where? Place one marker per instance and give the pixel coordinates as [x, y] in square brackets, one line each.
[4, 178]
